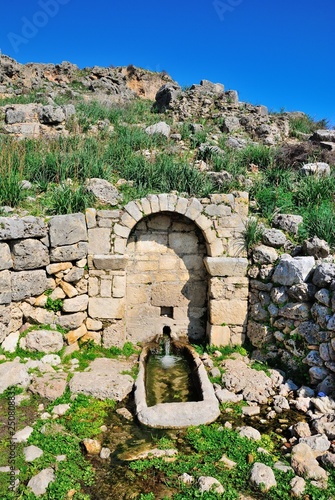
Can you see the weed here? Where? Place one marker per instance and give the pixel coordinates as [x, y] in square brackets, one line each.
[252, 233]
[53, 305]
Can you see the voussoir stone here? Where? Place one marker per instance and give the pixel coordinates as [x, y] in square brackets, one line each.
[262, 476]
[292, 270]
[67, 229]
[29, 254]
[44, 341]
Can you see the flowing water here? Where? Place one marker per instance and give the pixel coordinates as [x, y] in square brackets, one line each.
[169, 377]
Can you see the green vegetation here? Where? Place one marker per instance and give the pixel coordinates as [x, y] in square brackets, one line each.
[305, 124]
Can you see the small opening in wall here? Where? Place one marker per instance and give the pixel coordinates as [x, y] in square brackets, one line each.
[166, 330]
[167, 312]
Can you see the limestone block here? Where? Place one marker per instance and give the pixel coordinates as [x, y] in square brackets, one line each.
[29, 254]
[169, 295]
[194, 209]
[232, 312]
[163, 202]
[74, 335]
[128, 220]
[93, 286]
[154, 203]
[5, 287]
[122, 231]
[133, 209]
[263, 254]
[169, 262]
[110, 262]
[293, 270]
[210, 235]
[172, 201]
[106, 308]
[76, 304]
[259, 335]
[120, 245]
[159, 222]
[114, 335]
[74, 275]
[146, 265]
[56, 268]
[69, 290]
[91, 217]
[70, 252]
[99, 240]
[218, 210]
[228, 288]
[67, 229]
[136, 294]
[12, 228]
[71, 321]
[93, 324]
[203, 222]
[180, 313]
[146, 206]
[57, 293]
[5, 257]
[119, 286]
[218, 335]
[196, 292]
[183, 243]
[141, 278]
[95, 336]
[149, 243]
[182, 205]
[226, 266]
[216, 248]
[167, 276]
[106, 288]
[234, 221]
[27, 284]
[44, 341]
[105, 223]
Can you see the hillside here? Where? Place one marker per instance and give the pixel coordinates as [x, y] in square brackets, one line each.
[93, 123]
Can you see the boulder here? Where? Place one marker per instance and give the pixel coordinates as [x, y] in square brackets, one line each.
[14, 228]
[292, 270]
[39, 483]
[287, 222]
[13, 373]
[274, 238]
[318, 443]
[305, 464]
[316, 248]
[323, 135]
[262, 477]
[166, 95]
[264, 255]
[44, 341]
[324, 275]
[318, 169]
[298, 485]
[104, 191]
[26, 284]
[249, 432]
[159, 128]
[51, 115]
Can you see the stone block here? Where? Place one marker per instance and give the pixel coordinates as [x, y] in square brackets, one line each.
[159, 222]
[183, 243]
[119, 286]
[67, 229]
[91, 217]
[146, 206]
[137, 294]
[218, 210]
[56, 268]
[12, 228]
[29, 254]
[163, 202]
[138, 279]
[99, 240]
[5, 287]
[95, 336]
[120, 245]
[73, 335]
[169, 295]
[194, 209]
[71, 321]
[76, 304]
[182, 205]
[216, 248]
[128, 220]
[210, 235]
[150, 243]
[169, 262]
[110, 262]
[5, 257]
[106, 308]
[93, 286]
[203, 222]
[93, 324]
[71, 252]
[218, 335]
[27, 284]
[106, 288]
[121, 230]
[133, 210]
[228, 312]
[114, 335]
[154, 203]
[172, 201]
[69, 290]
[226, 266]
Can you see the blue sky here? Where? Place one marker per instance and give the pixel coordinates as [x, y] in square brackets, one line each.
[274, 52]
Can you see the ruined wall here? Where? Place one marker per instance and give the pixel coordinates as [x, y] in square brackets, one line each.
[79, 271]
[292, 308]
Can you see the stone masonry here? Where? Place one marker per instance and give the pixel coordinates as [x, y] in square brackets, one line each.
[122, 275]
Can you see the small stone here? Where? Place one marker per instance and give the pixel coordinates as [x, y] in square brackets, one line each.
[31, 453]
[229, 464]
[298, 485]
[61, 409]
[249, 432]
[23, 435]
[262, 477]
[186, 478]
[92, 446]
[39, 483]
[105, 453]
[125, 413]
[207, 483]
[251, 410]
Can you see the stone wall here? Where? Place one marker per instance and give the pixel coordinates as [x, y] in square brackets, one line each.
[108, 270]
[292, 307]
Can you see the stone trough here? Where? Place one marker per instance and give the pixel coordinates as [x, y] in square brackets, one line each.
[177, 415]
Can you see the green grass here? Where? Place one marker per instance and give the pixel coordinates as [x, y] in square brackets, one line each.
[306, 125]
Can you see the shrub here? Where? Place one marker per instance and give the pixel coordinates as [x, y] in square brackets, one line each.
[252, 233]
